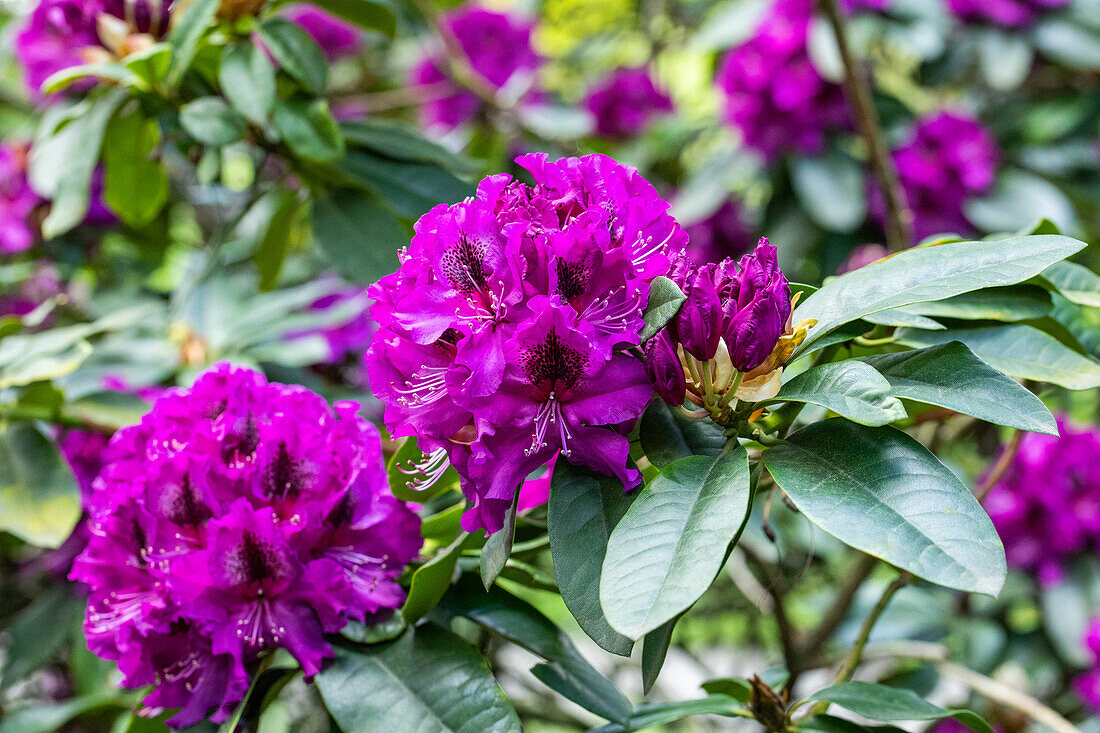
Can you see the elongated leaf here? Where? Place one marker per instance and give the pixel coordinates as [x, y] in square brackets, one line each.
[38, 631]
[371, 14]
[662, 713]
[64, 78]
[882, 492]
[929, 273]
[398, 141]
[830, 189]
[850, 389]
[426, 680]
[186, 34]
[1010, 304]
[668, 435]
[673, 540]
[247, 79]
[432, 579]
[39, 498]
[1017, 350]
[879, 702]
[39, 718]
[307, 127]
[296, 51]
[211, 121]
[359, 234]
[584, 508]
[410, 188]
[665, 299]
[1080, 321]
[519, 622]
[1076, 282]
[654, 650]
[134, 185]
[499, 546]
[952, 376]
[273, 245]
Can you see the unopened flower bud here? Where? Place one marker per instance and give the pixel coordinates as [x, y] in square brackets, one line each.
[663, 366]
[699, 321]
[755, 321]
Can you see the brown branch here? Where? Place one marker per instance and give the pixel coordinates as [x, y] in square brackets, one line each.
[1002, 464]
[771, 582]
[838, 610]
[899, 220]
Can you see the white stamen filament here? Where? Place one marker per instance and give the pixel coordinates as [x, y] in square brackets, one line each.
[427, 470]
[549, 413]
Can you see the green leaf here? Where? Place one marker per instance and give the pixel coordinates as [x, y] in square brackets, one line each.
[830, 188]
[882, 492]
[398, 141]
[667, 435]
[431, 580]
[1009, 304]
[673, 539]
[134, 184]
[296, 52]
[307, 127]
[848, 388]
[566, 672]
[61, 80]
[211, 121]
[47, 718]
[662, 713]
[247, 80]
[426, 680]
[888, 704]
[1017, 350]
[38, 631]
[736, 687]
[369, 14]
[75, 148]
[186, 33]
[39, 498]
[1082, 323]
[275, 242]
[665, 299]
[498, 546]
[359, 234]
[1003, 57]
[1076, 283]
[1068, 43]
[150, 64]
[410, 188]
[1018, 200]
[654, 650]
[929, 273]
[1069, 606]
[952, 376]
[584, 508]
[402, 465]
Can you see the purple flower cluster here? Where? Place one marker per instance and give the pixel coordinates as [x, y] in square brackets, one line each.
[336, 37]
[625, 102]
[497, 47]
[947, 159]
[238, 516]
[1008, 13]
[729, 325]
[773, 93]
[501, 336]
[1047, 506]
[1088, 684]
[17, 201]
[722, 234]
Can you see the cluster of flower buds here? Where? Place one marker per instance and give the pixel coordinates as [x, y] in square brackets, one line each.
[731, 336]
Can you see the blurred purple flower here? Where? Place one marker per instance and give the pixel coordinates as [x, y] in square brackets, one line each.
[17, 201]
[1047, 506]
[1008, 13]
[497, 46]
[624, 102]
[947, 159]
[773, 93]
[239, 516]
[861, 256]
[336, 37]
[53, 38]
[1088, 684]
[723, 234]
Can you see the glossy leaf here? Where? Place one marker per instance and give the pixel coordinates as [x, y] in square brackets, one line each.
[1017, 350]
[135, 185]
[211, 121]
[431, 580]
[247, 79]
[308, 129]
[673, 539]
[649, 716]
[398, 141]
[665, 299]
[359, 234]
[411, 189]
[296, 52]
[1075, 282]
[888, 704]
[952, 376]
[498, 546]
[929, 273]
[667, 435]
[186, 33]
[428, 679]
[1010, 304]
[882, 492]
[654, 650]
[39, 498]
[850, 389]
[584, 508]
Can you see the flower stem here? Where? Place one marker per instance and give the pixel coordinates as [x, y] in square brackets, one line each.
[899, 219]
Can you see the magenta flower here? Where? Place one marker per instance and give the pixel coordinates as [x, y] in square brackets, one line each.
[1047, 506]
[239, 516]
[17, 201]
[773, 94]
[1008, 13]
[336, 37]
[947, 159]
[505, 333]
[497, 46]
[624, 103]
[1088, 684]
[53, 37]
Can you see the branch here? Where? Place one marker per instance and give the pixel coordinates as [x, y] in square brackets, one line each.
[899, 220]
[1002, 464]
[838, 611]
[771, 584]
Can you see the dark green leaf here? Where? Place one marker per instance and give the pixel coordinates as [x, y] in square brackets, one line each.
[1082, 323]
[38, 631]
[499, 546]
[186, 33]
[673, 539]
[398, 141]
[359, 234]
[584, 508]
[247, 79]
[296, 51]
[134, 184]
[951, 376]
[410, 188]
[370, 14]
[654, 650]
[1014, 303]
[667, 435]
[889, 704]
[1075, 282]
[830, 188]
[426, 680]
[665, 299]
[51, 717]
[376, 631]
[431, 580]
[275, 242]
[848, 388]
[1017, 350]
[882, 492]
[929, 273]
[211, 121]
[735, 687]
[39, 498]
[307, 127]
[662, 713]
